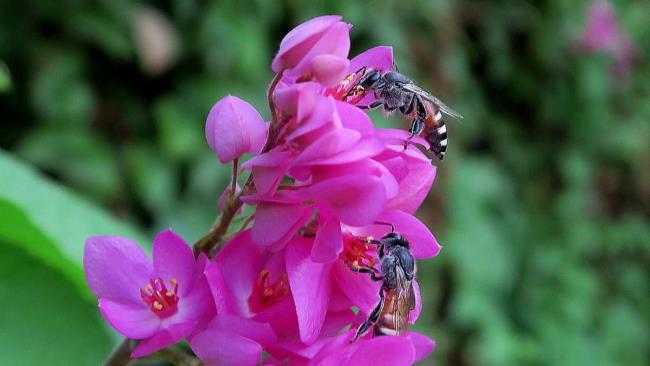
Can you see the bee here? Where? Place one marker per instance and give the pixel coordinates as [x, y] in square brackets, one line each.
[396, 295]
[395, 91]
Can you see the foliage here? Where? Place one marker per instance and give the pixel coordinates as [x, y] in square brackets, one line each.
[542, 205]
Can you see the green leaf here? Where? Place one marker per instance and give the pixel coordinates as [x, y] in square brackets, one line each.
[5, 78]
[44, 321]
[49, 222]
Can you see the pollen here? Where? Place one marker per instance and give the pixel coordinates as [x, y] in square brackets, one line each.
[357, 252]
[162, 301]
[268, 292]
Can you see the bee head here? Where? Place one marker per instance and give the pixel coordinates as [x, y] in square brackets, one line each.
[370, 78]
[394, 239]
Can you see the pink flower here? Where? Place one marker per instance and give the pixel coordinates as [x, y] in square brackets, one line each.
[248, 281]
[603, 33]
[337, 350]
[234, 128]
[318, 47]
[232, 340]
[160, 303]
[286, 289]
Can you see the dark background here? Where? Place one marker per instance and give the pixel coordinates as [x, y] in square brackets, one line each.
[542, 204]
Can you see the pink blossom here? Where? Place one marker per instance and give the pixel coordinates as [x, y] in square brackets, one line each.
[234, 128]
[247, 280]
[160, 303]
[232, 340]
[287, 289]
[318, 47]
[324, 185]
[603, 33]
[337, 350]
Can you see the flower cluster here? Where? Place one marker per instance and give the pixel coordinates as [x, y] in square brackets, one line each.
[323, 182]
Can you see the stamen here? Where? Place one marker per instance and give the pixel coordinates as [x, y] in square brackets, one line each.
[357, 252]
[161, 300]
[266, 293]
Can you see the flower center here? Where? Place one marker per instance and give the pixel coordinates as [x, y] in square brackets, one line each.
[266, 293]
[161, 300]
[357, 252]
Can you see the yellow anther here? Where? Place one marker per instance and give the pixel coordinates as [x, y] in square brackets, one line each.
[170, 293]
[268, 292]
[173, 281]
[157, 305]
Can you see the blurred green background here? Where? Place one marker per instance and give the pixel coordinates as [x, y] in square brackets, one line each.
[542, 204]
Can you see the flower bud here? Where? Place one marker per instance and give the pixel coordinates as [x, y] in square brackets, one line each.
[325, 35]
[234, 128]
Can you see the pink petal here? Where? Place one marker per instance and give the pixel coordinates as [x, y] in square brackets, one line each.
[116, 269]
[282, 317]
[242, 256]
[361, 291]
[173, 258]
[329, 144]
[335, 41]
[354, 118]
[234, 128]
[163, 338]
[328, 244]
[415, 313]
[273, 221]
[261, 333]
[395, 138]
[356, 199]
[300, 39]
[422, 344]
[266, 179]
[336, 351]
[196, 306]
[380, 57]
[135, 322]
[224, 300]
[313, 351]
[288, 97]
[423, 243]
[414, 187]
[223, 348]
[335, 322]
[329, 70]
[310, 285]
[389, 351]
[314, 113]
[338, 300]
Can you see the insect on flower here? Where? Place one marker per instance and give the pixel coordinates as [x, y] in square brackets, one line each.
[396, 295]
[395, 91]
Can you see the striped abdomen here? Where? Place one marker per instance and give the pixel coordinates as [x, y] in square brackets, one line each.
[436, 134]
[386, 323]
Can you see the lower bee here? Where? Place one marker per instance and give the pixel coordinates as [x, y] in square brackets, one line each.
[395, 91]
[396, 295]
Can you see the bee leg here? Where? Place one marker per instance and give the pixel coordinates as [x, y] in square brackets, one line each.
[372, 105]
[372, 271]
[418, 124]
[380, 248]
[374, 316]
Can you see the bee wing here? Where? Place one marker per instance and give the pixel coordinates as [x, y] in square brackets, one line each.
[442, 106]
[404, 300]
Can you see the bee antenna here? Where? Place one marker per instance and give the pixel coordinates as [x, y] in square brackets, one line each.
[395, 66]
[392, 227]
